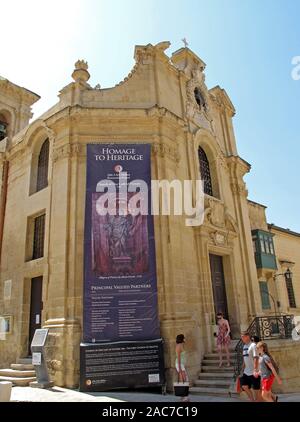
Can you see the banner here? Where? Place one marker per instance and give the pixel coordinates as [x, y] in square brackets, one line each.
[121, 365]
[120, 289]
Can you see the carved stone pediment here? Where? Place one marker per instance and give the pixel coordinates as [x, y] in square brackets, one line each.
[215, 215]
[219, 238]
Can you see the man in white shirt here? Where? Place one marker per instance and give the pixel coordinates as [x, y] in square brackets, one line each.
[250, 378]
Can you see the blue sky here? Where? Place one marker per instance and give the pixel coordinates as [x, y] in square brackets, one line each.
[248, 47]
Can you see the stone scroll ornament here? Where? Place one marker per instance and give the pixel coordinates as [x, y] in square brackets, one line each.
[197, 104]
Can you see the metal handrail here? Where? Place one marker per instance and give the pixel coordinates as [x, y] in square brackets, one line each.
[266, 328]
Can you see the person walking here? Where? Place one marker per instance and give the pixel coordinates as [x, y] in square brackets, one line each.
[250, 378]
[255, 339]
[223, 338]
[268, 372]
[180, 362]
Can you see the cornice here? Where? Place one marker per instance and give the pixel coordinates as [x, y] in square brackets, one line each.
[27, 96]
[220, 97]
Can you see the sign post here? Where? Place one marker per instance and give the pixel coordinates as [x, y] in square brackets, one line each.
[39, 360]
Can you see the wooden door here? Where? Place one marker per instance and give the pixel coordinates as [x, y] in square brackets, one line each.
[218, 284]
[36, 306]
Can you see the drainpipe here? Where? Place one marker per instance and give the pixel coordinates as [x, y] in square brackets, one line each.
[3, 201]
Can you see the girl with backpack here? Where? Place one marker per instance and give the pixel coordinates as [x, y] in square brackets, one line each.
[268, 372]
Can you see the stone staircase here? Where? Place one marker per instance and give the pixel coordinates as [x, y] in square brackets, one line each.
[20, 373]
[213, 380]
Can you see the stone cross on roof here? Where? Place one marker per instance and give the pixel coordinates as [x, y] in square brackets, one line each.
[185, 42]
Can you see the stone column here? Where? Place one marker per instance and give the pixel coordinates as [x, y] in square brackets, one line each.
[64, 327]
[250, 281]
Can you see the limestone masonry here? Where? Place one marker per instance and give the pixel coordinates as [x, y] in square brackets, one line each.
[235, 262]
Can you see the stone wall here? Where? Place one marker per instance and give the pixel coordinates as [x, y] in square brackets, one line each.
[286, 353]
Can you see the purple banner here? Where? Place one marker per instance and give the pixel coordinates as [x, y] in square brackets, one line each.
[120, 289]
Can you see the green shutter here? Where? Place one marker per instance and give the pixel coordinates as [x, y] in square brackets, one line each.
[264, 294]
[264, 251]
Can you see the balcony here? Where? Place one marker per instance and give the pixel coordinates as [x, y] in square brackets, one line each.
[264, 251]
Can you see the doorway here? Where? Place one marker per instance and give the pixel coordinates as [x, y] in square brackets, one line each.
[218, 284]
[36, 306]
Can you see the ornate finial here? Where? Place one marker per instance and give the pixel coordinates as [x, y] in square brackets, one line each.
[81, 71]
[81, 64]
[186, 44]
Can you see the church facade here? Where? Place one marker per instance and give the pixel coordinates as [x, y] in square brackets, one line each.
[235, 262]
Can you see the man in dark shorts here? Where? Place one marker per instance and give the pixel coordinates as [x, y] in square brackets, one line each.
[250, 378]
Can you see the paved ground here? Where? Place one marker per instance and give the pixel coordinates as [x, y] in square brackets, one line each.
[57, 394]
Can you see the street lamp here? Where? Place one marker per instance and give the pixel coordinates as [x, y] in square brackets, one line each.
[288, 275]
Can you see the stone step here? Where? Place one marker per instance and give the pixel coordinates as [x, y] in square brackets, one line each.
[20, 382]
[214, 362]
[22, 367]
[216, 355]
[216, 375]
[210, 391]
[232, 346]
[211, 368]
[16, 373]
[213, 383]
[231, 350]
[25, 361]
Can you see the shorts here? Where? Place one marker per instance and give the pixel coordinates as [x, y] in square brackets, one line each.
[250, 381]
[267, 383]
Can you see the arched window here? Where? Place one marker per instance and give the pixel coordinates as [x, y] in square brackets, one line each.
[42, 167]
[3, 127]
[205, 172]
[2, 130]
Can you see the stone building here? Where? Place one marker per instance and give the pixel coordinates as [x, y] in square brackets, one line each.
[235, 262]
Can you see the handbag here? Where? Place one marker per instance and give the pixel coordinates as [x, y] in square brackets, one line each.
[181, 389]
